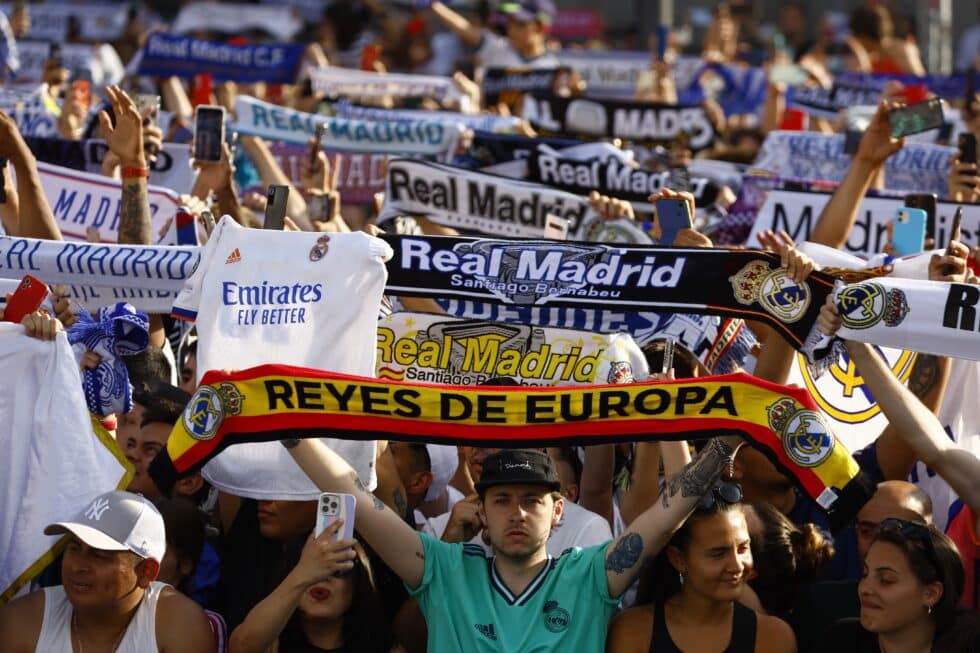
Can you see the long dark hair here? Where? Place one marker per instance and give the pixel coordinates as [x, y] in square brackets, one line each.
[659, 580]
[933, 557]
[365, 624]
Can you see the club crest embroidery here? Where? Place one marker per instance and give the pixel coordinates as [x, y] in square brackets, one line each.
[774, 290]
[208, 408]
[556, 618]
[864, 305]
[319, 250]
[620, 372]
[806, 438]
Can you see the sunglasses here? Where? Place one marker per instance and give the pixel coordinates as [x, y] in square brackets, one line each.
[915, 532]
[723, 491]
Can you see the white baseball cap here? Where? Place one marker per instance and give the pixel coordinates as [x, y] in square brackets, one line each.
[442, 463]
[118, 521]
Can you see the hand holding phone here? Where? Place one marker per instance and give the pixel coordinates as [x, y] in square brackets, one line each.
[333, 507]
[926, 202]
[28, 297]
[967, 144]
[275, 207]
[673, 215]
[916, 118]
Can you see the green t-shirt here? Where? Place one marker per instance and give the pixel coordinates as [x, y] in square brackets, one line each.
[468, 608]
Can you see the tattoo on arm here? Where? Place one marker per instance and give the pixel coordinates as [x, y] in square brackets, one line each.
[400, 504]
[134, 214]
[378, 503]
[925, 374]
[627, 553]
[700, 474]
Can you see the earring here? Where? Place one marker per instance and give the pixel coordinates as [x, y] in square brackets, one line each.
[680, 575]
[929, 609]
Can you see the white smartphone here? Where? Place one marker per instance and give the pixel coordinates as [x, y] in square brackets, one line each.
[332, 507]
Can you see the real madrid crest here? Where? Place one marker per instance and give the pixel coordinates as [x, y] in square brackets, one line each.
[863, 305]
[208, 408]
[805, 436]
[319, 250]
[774, 290]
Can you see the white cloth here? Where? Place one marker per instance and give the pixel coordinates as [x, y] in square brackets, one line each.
[579, 527]
[140, 637]
[54, 464]
[264, 297]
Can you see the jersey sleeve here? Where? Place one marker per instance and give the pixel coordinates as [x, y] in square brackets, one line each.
[440, 558]
[189, 299]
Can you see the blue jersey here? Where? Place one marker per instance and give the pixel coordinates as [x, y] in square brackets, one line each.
[469, 609]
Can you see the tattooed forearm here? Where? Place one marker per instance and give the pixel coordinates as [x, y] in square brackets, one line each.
[699, 474]
[925, 374]
[627, 553]
[378, 503]
[134, 214]
[401, 506]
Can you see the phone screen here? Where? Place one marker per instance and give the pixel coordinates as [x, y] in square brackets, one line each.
[209, 133]
[916, 118]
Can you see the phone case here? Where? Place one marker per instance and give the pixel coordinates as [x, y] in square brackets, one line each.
[30, 294]
[916, 118]
[275, 207]
[209, 133]
[673, 215]
[909, 232]
[968, 148]
[332, 507]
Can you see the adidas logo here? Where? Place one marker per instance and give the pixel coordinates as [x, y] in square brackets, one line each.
[487, 631]
[234, 257]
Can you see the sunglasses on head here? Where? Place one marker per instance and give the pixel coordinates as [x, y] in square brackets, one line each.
[725, 491]
[916, 532]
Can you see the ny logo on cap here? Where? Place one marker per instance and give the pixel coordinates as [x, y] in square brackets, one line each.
[99, 506]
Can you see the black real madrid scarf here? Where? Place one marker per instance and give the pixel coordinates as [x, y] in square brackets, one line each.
[733, 283]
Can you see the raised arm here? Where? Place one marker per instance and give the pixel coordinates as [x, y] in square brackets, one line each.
[125, 140]
[467, 31]
[838, 217]
[649, 532]
[35, 219]
[395, 541]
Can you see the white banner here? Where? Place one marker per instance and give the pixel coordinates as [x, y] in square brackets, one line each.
[492, 205]
[476, 121]
[797, 213]
[931, 317]
[347, 82]
[33, 54]
[278, 123]
[917, 167]
[81, 199]
[427, 348]
[237, 18]
[96, 22]
[607, 74]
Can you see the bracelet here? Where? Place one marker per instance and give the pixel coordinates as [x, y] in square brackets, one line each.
[135, 172]
[290, 443]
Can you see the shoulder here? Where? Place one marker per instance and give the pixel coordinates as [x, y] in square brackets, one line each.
[774, 635]
[631, 630]
[194, 635]
[20, 622]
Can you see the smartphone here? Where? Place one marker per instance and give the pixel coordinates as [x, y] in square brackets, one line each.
[967, 143]
[30, 294]
[673, 215]
[788, 73]
[275, 207]
[332, 507]
[909, 232]
[202, 89]
[321, 131]
[81, 83]
[663, 36]
[926, 202]
[668, 361]
[209, 132]
[916, 118]
[369, 55]
[852, 140]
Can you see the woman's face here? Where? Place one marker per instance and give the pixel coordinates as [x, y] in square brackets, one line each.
[892, 596]
[329, 599]
[718, 559]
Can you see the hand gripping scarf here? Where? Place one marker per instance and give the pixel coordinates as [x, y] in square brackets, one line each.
[120, 330]
[271, 402]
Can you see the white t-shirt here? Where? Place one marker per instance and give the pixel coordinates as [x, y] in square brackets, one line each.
[291, 298]
[579, 527]
[495, 51]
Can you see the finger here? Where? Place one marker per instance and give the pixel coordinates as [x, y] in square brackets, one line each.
[105, 123]
[336, 171]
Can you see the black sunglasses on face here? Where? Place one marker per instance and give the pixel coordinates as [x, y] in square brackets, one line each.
[916, 532]
[722, 491]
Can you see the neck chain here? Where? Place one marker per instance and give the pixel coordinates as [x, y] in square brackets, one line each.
[77, 635]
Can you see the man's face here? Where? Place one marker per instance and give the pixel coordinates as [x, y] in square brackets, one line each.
[883, 505]
[474, 457]
[188, 375]
[523, 35]
[519, 518]
[140, 449]
[283, 520]
[97, 579]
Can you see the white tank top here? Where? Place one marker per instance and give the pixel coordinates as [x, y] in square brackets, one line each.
[140, 637]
